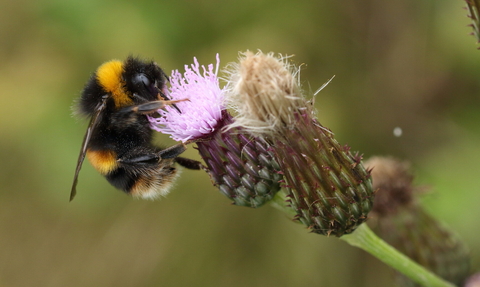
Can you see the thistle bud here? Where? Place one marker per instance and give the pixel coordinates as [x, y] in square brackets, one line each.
[327, 185]
[398, 218]
[241, 166]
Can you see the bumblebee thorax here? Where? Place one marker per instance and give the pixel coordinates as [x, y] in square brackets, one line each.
[109, 76]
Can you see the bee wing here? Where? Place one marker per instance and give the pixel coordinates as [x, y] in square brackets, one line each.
[93, 123]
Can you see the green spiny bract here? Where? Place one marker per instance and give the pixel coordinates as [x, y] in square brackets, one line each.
[241, 166]
[327, 186]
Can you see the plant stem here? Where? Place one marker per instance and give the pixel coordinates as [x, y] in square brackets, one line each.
[363, 237]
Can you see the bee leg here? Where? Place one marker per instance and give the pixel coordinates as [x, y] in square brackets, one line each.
[139, 159]
[189, 163]
[168, 153]
[153, 106]
[173, 151]
[162, 95]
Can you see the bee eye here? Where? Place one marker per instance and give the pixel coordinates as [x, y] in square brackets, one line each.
[141, 80]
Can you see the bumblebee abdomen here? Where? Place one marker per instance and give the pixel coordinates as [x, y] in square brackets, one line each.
[104, 161]
[147, 182]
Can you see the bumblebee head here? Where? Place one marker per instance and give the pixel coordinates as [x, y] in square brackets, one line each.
[127, 83]
[145, 81]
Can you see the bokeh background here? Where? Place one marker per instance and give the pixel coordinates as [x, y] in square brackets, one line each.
[400, 63]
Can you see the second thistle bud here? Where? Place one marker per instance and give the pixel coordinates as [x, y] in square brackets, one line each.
[327, 186]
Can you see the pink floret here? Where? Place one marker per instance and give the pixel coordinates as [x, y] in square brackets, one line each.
[201, 113]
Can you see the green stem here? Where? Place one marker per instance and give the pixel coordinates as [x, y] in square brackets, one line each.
[363, 237]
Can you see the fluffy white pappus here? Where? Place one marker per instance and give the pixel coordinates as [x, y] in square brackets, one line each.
[265, 92]
[201, 112]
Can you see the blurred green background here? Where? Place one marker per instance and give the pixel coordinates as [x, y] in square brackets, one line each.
[398, 63]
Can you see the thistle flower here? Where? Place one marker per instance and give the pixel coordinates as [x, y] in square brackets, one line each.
[201, 115]
[327, 185]
[241, 166]
[398, 218]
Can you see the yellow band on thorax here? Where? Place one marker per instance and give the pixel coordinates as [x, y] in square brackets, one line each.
[109, 76]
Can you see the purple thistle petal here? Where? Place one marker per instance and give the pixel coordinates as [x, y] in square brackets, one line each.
[202, 112]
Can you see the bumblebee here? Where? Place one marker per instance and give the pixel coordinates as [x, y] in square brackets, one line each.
[118, 141]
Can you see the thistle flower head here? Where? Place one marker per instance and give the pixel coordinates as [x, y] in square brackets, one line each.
[201, 114]
[263, 90]
[241, 166]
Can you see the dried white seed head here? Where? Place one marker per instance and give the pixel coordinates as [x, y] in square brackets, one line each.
[264, 90]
